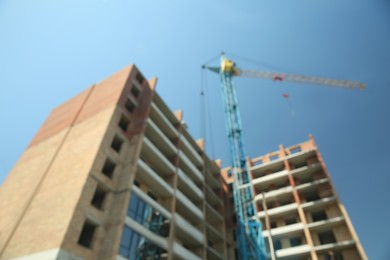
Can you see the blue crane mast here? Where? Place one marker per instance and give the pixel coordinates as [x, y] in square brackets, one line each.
[249, 239]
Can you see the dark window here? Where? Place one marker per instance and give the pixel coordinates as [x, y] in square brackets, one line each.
[306, 179]
[86, 235]
[124, 123]
[333, 256]
[326, 237]
[234, 219]
[277, 244]
[282, 185]
[136, 183]
[285, 202]
[129, 105]
[301, 164]
[108, 168]
[274, 157]
[139, 78]
[152, 196]
[295, 241]
[135, 90]
[312, 197]
[319, 215]
[278, 170]
[290, 221]
[273, 224]
[98, 198]
[117, 143]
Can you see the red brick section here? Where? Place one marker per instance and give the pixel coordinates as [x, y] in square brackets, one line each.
[105, 94]
[141, 112]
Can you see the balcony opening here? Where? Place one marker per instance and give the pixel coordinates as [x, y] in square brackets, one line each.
[299, 165]
[274, 157]
[86, 236]
[296, 241]
[306, 180]
[277, 244]
[312, 197]
[290, 221]
[259, 162]
[273, 224]
[117, 143]
[150, 194]
[318, 216]
[108, 168]
[326, 237]
[98, 198]
[124, 123]
[286, 201]
[295, 150]
[333, 256]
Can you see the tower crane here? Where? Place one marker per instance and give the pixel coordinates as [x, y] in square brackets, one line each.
[249, 239]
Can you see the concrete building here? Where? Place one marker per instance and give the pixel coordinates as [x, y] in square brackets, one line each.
[113, 174]
[296, 200]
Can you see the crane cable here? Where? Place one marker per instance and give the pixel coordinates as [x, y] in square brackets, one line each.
[205, 118]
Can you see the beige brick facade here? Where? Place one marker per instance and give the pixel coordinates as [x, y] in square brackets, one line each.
[47, 201]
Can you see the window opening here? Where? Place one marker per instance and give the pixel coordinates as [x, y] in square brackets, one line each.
[326, 237]
[277, 244]
[98, 198]
[135, 90]
[117, 143]
[285, 202]
[318, 216]
[124, 123]
[139, 78]
[86, 236]
[290, 221]
[312, 197]
[301, 164]
[333, 256]
[295, 241]
[130, 106]
[108, 168]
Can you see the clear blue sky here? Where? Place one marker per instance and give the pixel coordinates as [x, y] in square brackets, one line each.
[52, 50]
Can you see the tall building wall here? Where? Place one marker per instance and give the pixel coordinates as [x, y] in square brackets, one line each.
[301, 213]
[72, 193]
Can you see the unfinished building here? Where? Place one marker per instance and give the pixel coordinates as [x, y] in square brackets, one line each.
[301, 214]
[113, 174]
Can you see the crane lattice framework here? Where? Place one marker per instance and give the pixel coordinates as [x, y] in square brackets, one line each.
[249, 239]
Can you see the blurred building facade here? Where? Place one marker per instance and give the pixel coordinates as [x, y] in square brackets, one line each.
[114, 174]
[301, 213]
